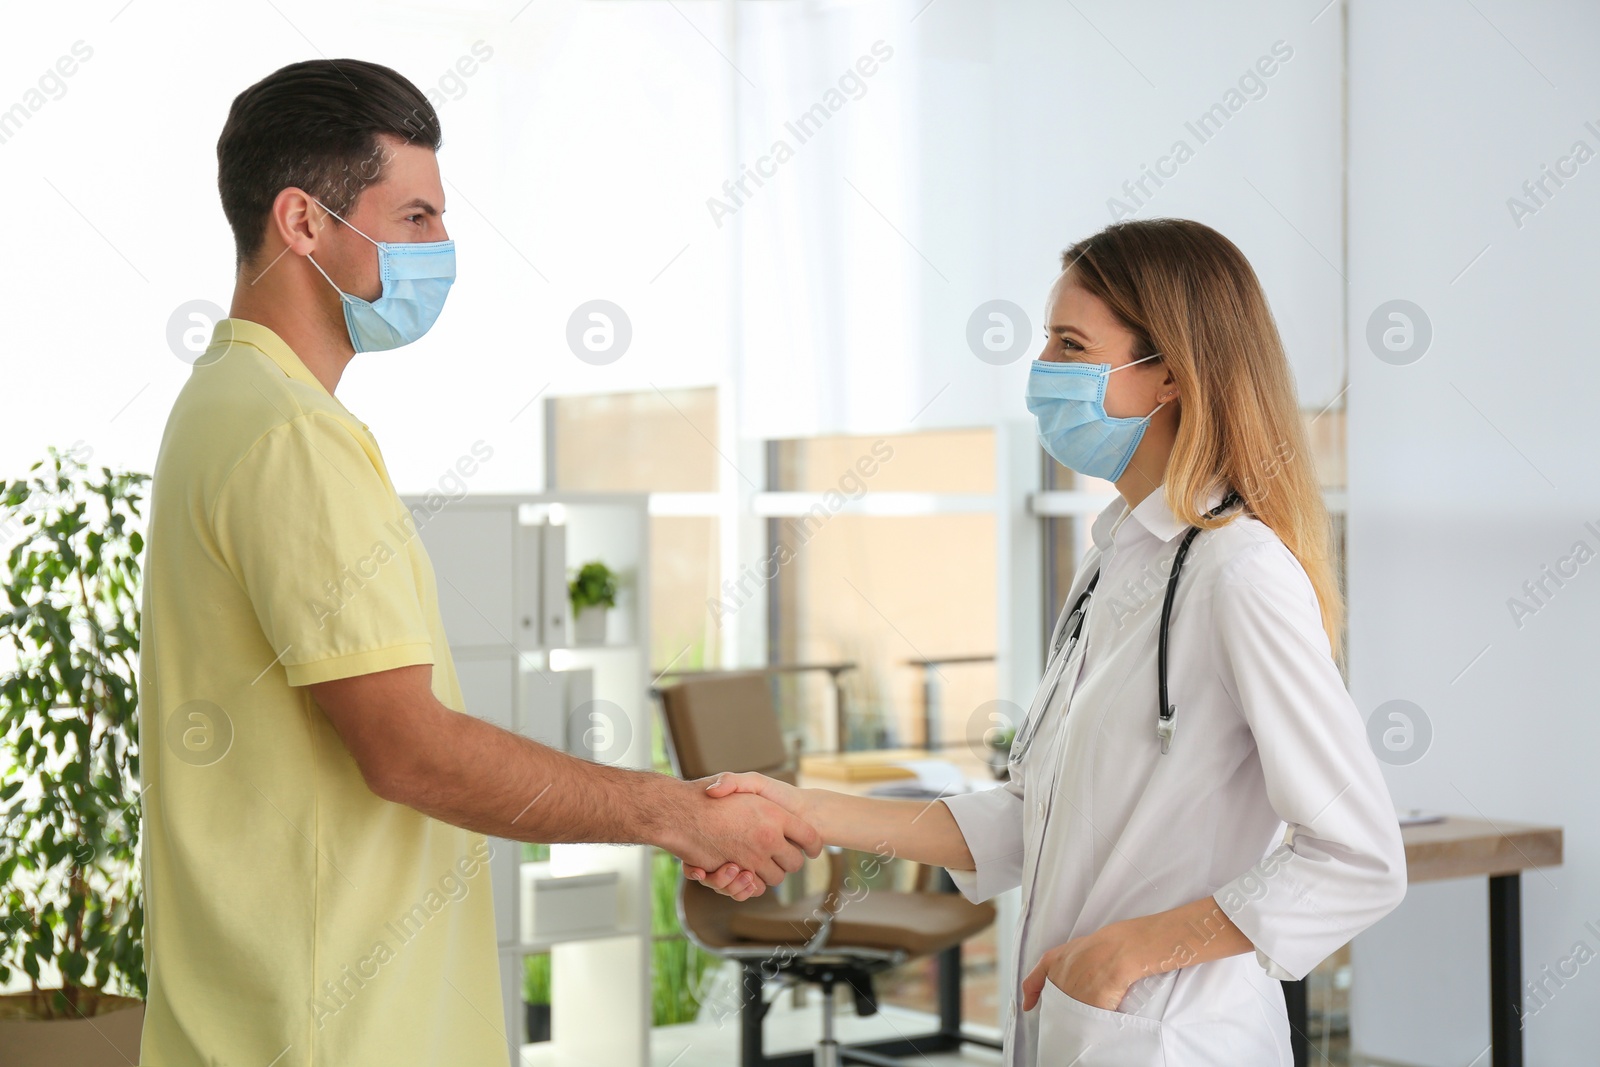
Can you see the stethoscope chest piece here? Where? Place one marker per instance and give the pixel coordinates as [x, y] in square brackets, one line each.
[1166, 711]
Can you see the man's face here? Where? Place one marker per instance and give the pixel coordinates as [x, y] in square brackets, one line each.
[406, 205]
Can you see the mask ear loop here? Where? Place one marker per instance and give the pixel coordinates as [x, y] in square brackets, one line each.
[324, 273]
[343, 296]
[1125, 366]
[342, 219]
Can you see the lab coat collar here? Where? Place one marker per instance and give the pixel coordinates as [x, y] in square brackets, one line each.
[1152, 513]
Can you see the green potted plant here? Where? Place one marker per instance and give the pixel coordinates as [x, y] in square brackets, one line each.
[536, 995]
[592, 592]
[677, 967]
[71, 913]
[999, 742]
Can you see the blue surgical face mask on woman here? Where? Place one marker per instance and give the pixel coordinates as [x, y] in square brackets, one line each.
[416, 279]
[1068, 400]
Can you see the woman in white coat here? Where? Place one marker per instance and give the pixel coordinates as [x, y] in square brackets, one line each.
[1162, 900]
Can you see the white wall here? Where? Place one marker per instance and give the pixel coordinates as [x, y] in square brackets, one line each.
[579, 163]
[1470, 470]
[994, 138]
[576, 160]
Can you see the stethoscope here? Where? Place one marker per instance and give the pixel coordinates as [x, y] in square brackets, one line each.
[1066, 638]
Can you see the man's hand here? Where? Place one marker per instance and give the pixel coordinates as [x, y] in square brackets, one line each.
[730, 879]
[747, 840]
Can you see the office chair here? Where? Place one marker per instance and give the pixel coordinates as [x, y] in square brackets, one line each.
[727, 722]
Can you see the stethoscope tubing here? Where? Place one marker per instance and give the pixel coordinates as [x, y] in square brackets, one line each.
[1166, 711]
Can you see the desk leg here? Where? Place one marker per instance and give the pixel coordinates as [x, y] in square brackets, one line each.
[950, 992]
[949, 971]
[1505, 969]
[752, 1013]
[1295, 1002]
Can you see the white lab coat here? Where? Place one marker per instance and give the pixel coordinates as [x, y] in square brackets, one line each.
[1097, 825]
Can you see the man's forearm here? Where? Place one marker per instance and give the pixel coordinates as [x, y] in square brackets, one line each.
[917, 830]
[413, 750]
[474, 774]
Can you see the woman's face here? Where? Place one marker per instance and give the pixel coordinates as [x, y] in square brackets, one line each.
[1079, 328]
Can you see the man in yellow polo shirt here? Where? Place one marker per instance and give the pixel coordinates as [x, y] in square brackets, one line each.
[314, 799]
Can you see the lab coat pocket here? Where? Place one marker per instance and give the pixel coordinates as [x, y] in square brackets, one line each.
[1082, 1035]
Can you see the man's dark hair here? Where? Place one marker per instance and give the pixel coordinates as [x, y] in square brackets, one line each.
[315, 126]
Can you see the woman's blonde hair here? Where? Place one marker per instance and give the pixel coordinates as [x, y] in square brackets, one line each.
[1188, 293]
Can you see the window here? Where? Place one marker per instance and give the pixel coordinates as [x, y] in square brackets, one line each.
[654, 442]
[888, 546]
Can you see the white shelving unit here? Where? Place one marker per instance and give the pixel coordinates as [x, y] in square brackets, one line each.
[501, 563]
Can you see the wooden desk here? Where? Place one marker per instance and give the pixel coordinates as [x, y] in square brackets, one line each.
[1461, 847]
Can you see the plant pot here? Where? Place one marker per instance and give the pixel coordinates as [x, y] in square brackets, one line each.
[538, 1021]
[589, 626]
[109, 1037]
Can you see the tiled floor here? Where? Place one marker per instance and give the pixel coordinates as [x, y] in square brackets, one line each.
[714, 1041]
[707, 1044]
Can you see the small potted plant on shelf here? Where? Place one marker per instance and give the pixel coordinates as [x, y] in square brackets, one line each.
[1000, 742]
[71, 908]
[592, 592]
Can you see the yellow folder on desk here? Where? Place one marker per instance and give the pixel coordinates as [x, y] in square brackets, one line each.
[857, 767]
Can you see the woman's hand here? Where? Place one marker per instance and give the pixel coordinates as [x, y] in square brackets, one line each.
[790, 798]
[1095, 969]
[730, 880]
[1100, 968]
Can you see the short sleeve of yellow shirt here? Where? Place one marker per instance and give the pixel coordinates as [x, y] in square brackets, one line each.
[311, 530]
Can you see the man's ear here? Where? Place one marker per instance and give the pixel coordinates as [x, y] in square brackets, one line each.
[297, 220]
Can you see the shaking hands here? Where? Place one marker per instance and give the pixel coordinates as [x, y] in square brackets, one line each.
[917, 830]
[755, 817]
[745, 831]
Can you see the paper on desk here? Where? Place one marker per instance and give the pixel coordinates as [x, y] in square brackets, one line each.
[1416, 817]
[935, 777]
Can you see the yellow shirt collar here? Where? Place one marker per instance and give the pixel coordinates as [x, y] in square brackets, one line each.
[242, 331]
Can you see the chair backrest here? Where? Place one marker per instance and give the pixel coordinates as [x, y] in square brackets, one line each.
[727, 722]
[724, 722]
[716, 723]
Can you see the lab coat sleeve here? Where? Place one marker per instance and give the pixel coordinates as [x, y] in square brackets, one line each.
[1344, 865]
[991, 822]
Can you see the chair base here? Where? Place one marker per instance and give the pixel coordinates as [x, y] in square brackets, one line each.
[890, 1053]
[829, 1052]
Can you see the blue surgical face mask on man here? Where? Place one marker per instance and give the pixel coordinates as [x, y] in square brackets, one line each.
[1068, 400]
[416, 279]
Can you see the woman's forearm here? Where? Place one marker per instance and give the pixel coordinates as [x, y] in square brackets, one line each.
[922, 831]
[1197, 932]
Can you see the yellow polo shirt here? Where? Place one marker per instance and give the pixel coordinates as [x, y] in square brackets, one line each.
[292, 917]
